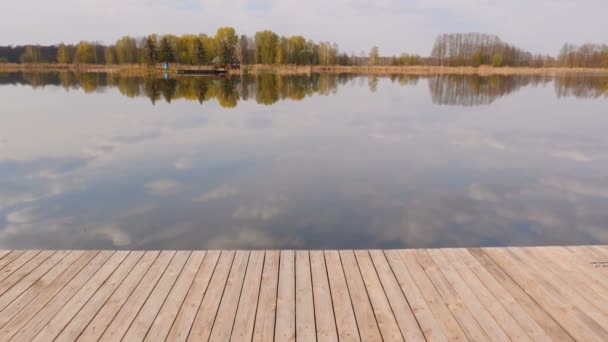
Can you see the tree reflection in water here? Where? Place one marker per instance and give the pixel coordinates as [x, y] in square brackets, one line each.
[267, 89]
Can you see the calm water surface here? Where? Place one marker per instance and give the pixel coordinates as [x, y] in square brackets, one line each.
[326, 161]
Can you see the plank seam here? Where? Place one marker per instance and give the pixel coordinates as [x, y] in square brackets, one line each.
[166, 297]
[63, 288]
[104, 303]
[240, 294]
[198, 308]
[331, 297]
[34, 282]
[350, 297]
[400, 289]
[217, 310]
[527, 294]
[122, 305]
[415, 259]
[257, 302]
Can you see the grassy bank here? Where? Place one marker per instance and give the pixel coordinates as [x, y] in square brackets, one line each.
[138, 69]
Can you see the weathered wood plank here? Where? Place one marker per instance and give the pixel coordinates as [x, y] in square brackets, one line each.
[305, 309]
[433, 315]
[490, 303]
[78, 258]
[144, 319]
[187, 313]
[364, 313]
[346, 322]
[21, 260]
[515, 309]
[23, 284]
[460, 311]
[245, 315]
[123, 319]
[226, 314]
[558, 306]
[383, 312]
[103, 312]
[203, 323]
[267, 303]
[285, 329]
[513, 293]
[324, 311]
[168, 313]
[24, 270]
[106, 279]
[52, 299]
[401, 309]
[553, 329]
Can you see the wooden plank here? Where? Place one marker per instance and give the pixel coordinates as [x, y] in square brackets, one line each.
[245, 315]
[24, 270]
[477, 309]
[267, 304]
[490, 303]
[167, 314]
[553, 329]
[560, 308]
[562, 289]
[585, 260]
[104, 312]
[80, 295]
[515, 309]
[305, 309]
[144, 319]
[467, 321]
[572, 276]
[123, 319]
[285, 329]
[401, 309]
[383, 312]
[203, 323]
[364, 313]
[325, 320]
[32, 278]
[81, 319]
[111, 273]
[226, 314]
[7, 259]
[346, 322]
[433, 315]
[4, 253]
[53, 298]
[581, 261]
[70, 265]
[18, 262]
[185, 317]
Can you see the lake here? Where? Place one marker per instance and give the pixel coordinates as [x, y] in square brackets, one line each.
[321, 161]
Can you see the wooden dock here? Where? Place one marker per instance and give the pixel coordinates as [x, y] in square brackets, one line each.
[482, 294]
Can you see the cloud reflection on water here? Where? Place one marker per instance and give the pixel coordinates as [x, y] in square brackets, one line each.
[343, 168]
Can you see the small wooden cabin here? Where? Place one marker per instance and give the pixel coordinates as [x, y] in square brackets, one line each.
[226, 63]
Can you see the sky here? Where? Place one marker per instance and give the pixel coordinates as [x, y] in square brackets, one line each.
[396, 26]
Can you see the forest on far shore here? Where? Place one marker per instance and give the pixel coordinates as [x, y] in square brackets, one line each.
[266, 47]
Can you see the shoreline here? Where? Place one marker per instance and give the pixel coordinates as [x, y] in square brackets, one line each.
[138, 69]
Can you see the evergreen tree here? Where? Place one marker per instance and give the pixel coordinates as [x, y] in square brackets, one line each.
[151, 53]
[166, 51]
[200, 51]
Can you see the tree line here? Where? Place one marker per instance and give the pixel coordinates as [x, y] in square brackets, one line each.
[267, 47]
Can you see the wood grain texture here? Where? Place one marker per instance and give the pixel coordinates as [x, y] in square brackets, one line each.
[459, 294]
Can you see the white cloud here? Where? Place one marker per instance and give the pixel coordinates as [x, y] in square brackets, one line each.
[164, 187]
[119, 238]
[218, 193]
[261, 213]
